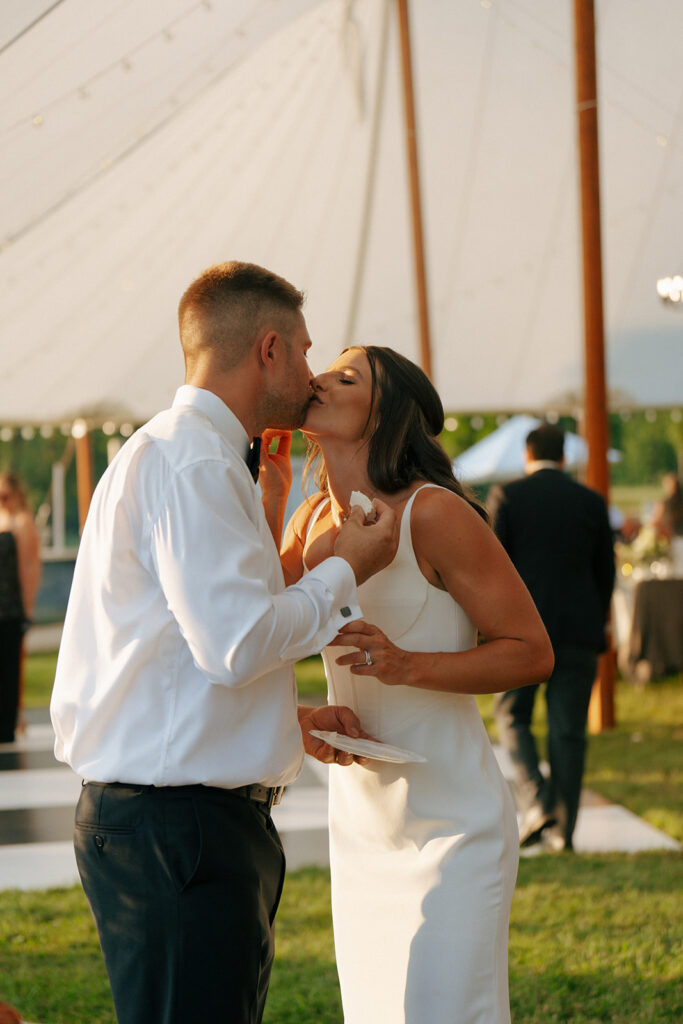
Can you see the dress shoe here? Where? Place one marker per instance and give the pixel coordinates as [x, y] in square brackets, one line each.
[533, 823]
[553, 841]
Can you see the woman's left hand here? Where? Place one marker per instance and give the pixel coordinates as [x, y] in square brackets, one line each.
[275, 479]
[275, 470]
[376, 655]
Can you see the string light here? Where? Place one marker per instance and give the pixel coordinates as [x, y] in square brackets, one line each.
[670, 289]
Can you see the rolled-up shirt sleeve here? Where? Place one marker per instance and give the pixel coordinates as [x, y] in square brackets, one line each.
[220, 574]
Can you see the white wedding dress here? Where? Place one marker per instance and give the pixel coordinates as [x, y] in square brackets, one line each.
[423, 856]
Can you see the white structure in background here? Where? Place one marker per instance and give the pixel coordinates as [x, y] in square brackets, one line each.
[144, 142]
[500, 456]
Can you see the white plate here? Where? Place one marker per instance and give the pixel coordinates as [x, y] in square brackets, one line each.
[367, 748]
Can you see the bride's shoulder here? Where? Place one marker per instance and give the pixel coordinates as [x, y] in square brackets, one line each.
[302, 516]
[435, 508]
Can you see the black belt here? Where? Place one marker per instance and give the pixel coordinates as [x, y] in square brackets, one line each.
[268, 796]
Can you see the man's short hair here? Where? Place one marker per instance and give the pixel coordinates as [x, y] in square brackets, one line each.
[227, 307]
[546, 443]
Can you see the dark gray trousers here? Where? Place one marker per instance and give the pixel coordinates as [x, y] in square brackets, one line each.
[184, 883]
[567, 697]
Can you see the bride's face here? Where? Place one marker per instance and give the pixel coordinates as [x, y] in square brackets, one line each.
[342, 398]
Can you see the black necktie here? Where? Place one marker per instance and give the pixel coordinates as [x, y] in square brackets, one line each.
[253, 458]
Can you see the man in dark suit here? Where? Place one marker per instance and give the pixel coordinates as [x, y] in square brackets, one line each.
[558, 535]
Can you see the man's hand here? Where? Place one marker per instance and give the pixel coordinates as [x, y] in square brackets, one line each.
[330, 718]
[368, 547]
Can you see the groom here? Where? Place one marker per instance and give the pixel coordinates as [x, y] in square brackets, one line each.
[174, 695]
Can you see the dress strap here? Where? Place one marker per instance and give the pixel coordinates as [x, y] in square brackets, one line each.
[315, 515]
[406, 537]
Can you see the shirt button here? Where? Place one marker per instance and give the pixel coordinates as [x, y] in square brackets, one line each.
[346, 611]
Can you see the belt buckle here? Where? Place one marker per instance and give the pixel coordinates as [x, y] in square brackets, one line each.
[275, 795]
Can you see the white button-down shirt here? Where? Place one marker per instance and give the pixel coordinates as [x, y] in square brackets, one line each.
[176, 659]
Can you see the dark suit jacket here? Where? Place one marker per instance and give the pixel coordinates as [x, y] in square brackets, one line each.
[558, 535]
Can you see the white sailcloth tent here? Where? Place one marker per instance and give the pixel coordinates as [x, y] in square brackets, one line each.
[500, 456]
[144, 141]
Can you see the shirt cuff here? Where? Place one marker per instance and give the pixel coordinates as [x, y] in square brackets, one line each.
[338, 576]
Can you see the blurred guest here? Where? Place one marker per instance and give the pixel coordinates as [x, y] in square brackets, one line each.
[668, 519]
[19, 579]
[558, 535]
[630, 529]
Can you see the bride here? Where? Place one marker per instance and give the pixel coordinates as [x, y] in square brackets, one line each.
[423, 855]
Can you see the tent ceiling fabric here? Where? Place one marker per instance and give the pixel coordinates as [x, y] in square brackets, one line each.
[143, 142]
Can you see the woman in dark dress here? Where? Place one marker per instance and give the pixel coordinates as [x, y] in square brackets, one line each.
[19, 579]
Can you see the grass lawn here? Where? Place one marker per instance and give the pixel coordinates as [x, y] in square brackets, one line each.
[39, 675]
[592, 939]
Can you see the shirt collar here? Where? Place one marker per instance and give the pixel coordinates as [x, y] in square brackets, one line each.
[533, 467]
[222, 418]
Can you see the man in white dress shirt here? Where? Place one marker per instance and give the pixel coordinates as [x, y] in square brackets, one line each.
[174, 695]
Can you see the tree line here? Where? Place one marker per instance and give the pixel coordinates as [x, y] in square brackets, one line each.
[650, 442]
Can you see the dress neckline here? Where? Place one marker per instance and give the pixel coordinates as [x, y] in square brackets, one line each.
[317, 511]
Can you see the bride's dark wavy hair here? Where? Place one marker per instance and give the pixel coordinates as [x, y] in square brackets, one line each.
[407, 417]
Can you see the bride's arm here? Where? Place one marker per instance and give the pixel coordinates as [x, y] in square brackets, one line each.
[292, 549]
[455, 547]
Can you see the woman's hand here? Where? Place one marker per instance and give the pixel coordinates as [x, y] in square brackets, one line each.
[376, 655]
[275, 470]
[275, 478]
[330, 718]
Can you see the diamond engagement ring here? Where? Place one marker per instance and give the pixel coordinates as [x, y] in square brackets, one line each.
[368, 659]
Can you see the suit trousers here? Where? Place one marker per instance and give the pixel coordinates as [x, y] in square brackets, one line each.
[184, 883]
[567, 696]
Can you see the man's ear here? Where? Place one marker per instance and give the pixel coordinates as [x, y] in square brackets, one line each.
[266, 349]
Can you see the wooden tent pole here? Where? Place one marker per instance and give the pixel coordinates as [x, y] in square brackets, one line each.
[601, 711]
[84, 472]
[413, 170]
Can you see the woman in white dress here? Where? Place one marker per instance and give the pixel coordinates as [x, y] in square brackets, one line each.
[423, 855]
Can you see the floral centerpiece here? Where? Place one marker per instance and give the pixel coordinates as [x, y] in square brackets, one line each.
[648, 550]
